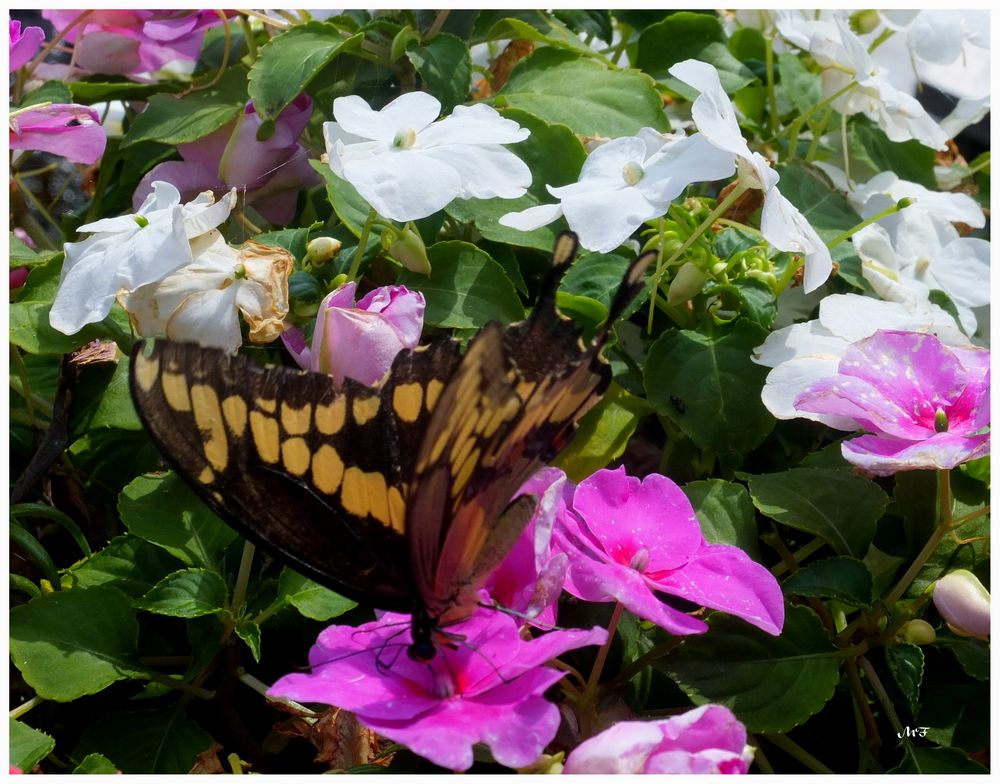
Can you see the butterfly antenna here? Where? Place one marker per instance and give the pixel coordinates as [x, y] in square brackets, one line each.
[545, 627]
[562, 256]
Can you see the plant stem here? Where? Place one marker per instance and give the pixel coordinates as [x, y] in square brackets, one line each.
[352, 274]
[243, 576]
[794, 750]
[867, 222]
[883, 698]
[602, 654]
[23, 708]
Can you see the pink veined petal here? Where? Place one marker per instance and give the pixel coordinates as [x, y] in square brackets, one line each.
[295, 343]
[24, 44]
[413, 111]
[356, 344]
[882, 456]
[725, 578]
[853, 398]
[402, 309]
[66, 129]
[622, 748]
[786, 382]
[404, 184]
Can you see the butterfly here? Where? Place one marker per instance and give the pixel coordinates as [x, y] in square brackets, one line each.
[396, 495]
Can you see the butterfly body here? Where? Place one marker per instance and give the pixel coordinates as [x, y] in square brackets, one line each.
[397, 495]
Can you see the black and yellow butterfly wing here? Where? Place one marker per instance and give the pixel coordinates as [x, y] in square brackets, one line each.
[397, 495]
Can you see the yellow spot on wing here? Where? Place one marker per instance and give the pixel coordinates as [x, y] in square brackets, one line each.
[175, 390]
[434, 387]
[207, 476]
[397, 510]
[208, 415]
[234, 409]
[327, 469]
[269, 405]
[265, 436]
[407, 400]
[354, 492]
[330, 418]
[378, 497]
[464, 473]
[296, 421]
[295, 455]
[365, 408]
[146, 371]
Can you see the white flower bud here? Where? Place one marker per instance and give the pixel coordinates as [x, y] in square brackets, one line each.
[963, 603]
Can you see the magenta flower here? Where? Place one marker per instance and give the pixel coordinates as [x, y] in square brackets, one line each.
[485, 688]
[24, 44]
[925, 404]
[531, 577]
[709, 739]
[360, 340]
[268, 174]
[131, 43]
[65, 129]
[628, 539]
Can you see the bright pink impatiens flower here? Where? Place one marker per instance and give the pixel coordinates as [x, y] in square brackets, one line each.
[925, 405]
[705, 740]
[268, 174]
[24, 44]
[628, 539]
[485, 688]
[360, 340]
[67, 129]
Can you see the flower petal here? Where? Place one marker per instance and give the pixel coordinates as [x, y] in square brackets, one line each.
[414, 111]
[404, 184]
[883, 456]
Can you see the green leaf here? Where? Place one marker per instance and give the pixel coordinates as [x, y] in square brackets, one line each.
[555, 155]
[937, 760]
[49, 92]
[30, 329]
[101, 89]
[249, 632]
[108, 403]
[128, 563]
[310, 598]
[95, 763]
[162, 740]
[292, 240]
[71, 643]
[803, 88]
[749, 297]
[595, 275]
[186, 593]
[555, 36]
[746, 43]
[725, 513]
[445, 67]
[973, 655]
[349, 205]
[837, 506]
[842, 578]
[685, 35]
[286, 65]
[592, 22]
[172, 120]
[28, 746]
[466, 288]
[949, 555]
[772, 684]
[717, 383]
[906, 663]
[561, 87]
[161, 509]
[603, 433]
[910, 160]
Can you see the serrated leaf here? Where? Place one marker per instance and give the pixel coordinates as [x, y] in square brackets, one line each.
[803, 88]
[772, 684]
[162, 740]
[31, 331]
[187, 593]
[28, 746]
[128, 563]
[63, 658]
[973, 655]
[725, 513]
[466, 288]
[906, 663]
[444, 65]
[99, 89]
[603, 433]
[310, 598]
[249, 632]
[161, 509]
[286, 65]
[937, 760]
[911, 160]
[837, 506]
[717, 384]
[95, 763]
[52, 91]
[842, 578]
[589, 98]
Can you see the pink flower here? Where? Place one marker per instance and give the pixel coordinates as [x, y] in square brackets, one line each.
[487, 687]
[964, 603]
[925, 404]
[65, 129]
[530, 579]
[23, 44]
[706, 740]
[360, 340]
[268, 174]
[131, 43]
[628, 539]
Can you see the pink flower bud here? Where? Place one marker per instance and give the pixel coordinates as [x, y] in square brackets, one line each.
[963, 603]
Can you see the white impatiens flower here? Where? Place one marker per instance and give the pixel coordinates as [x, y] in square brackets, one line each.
[802, 354]
[781, 223]
[923, 255]
[201, 301]
[130, 251]
[407, 166]
[625, 182]
[940, 36]
[848, 67]
[886, 189]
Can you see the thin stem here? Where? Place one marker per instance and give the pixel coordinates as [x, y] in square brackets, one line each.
[243, 575]
[249, 37]
[35, 202]
[883, 697]
[799, 555]
[56, 40]
[602, 654]
[181, 686]
[268, 20]
[23, 708]
[352, 274]
[22, 374]
[795, 128]
[890, 210]
[226, 51]
[437, 24]
[793, 749]
[772, 95]
[760, 757]
[861, 702]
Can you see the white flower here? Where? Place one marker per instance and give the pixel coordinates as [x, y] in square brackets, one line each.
[804, 353]
[968, 111]
[943, 207]
[782, 225]
[846, 63]
[940, 36]
[923, 255]
[625, 182]
[201, 301]
[407, 166]
[130, 251]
